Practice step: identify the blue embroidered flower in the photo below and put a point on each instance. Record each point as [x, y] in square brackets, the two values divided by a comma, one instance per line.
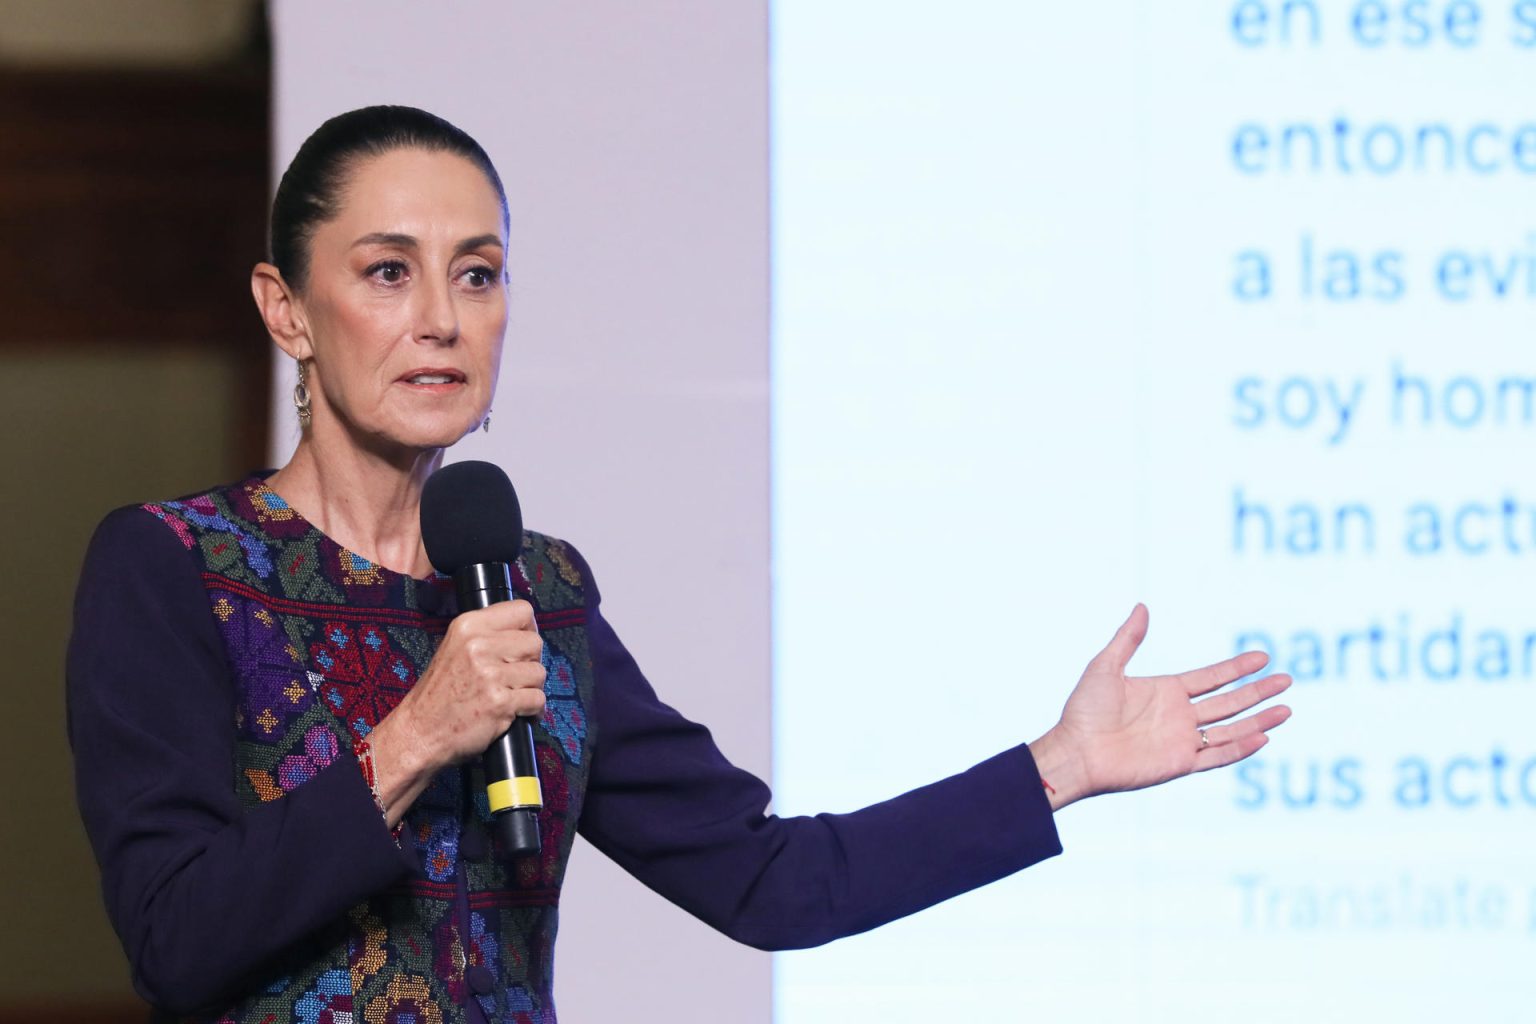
[564, 717]
[329, 1002]
[559, 677]
[201, 512]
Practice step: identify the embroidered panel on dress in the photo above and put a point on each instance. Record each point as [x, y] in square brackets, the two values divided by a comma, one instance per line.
[324, 644]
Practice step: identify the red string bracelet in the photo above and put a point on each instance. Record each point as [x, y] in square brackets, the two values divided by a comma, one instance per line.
[364, 754]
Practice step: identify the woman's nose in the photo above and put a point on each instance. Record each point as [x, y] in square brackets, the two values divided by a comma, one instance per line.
[437, 318]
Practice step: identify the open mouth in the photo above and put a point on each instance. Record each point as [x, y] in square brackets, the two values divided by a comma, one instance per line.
[431, 378]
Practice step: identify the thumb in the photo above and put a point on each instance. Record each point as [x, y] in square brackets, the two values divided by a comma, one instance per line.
[1126, 640]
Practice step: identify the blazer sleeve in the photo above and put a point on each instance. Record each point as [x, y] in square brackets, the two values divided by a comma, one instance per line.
[202, 890]
[667, 806]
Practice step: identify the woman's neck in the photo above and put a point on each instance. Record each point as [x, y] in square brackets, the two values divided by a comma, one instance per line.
[368, 503]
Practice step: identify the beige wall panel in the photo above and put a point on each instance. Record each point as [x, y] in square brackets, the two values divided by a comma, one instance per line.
[632, 412]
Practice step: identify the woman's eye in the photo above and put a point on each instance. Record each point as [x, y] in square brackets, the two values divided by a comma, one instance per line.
[480, 277]
[389, 272]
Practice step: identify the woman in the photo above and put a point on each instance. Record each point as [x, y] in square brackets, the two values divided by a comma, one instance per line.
[275, 713]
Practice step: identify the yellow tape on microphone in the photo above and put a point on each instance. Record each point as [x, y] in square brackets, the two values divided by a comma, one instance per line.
[510, 794]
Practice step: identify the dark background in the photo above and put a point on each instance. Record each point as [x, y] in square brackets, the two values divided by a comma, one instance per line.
[134, 161]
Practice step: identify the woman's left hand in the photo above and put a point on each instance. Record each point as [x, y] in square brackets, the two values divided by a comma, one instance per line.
[1120, 732]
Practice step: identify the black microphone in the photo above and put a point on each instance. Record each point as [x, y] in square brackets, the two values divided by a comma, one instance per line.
[473, 530]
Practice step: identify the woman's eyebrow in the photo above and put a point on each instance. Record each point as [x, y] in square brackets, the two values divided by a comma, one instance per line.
[410, 242]
[470, 244]
[387, 238]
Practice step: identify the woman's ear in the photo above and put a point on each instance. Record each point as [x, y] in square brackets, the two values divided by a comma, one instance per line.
[280, 311]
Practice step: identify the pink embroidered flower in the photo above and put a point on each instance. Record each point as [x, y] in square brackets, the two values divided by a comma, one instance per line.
[320, 749]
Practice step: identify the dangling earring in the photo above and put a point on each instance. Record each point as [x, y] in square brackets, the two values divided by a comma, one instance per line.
[301, 397]
[485, 424]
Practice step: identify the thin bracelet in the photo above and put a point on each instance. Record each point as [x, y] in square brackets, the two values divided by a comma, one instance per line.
[364, 754]
[1048, 788]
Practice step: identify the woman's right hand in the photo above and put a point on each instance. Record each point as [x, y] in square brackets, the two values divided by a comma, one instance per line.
[487, 671]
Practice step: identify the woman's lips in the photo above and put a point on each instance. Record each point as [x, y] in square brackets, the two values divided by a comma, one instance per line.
[431, 380]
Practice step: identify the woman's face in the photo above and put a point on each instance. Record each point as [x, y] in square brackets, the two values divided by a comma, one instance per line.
[406, 302]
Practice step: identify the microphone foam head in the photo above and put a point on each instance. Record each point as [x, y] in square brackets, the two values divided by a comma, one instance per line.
[470, 516]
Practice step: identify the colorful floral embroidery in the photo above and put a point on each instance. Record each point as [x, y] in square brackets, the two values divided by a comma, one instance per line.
[407, 1000]
[564, 716]
[329, 1002]
[322, 645]
[320, 749]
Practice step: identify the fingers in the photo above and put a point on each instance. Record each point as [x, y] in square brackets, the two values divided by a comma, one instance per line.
[494, 648]
[515, 688]
[528, 701]
[506, 630]
[1213, 677]
[504, 615]
[500, 644]
[488, 670]
[1231, 743]
[1224, 705]
[1262, 722]
[1126, 640]
[1231, 753]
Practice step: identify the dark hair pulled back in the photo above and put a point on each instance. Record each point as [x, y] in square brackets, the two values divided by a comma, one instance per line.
[310, 191]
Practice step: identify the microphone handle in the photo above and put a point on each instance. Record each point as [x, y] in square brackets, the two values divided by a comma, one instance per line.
[512, 787]
[511, 773]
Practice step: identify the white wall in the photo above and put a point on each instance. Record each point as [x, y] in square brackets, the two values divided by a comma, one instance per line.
[632, 412]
